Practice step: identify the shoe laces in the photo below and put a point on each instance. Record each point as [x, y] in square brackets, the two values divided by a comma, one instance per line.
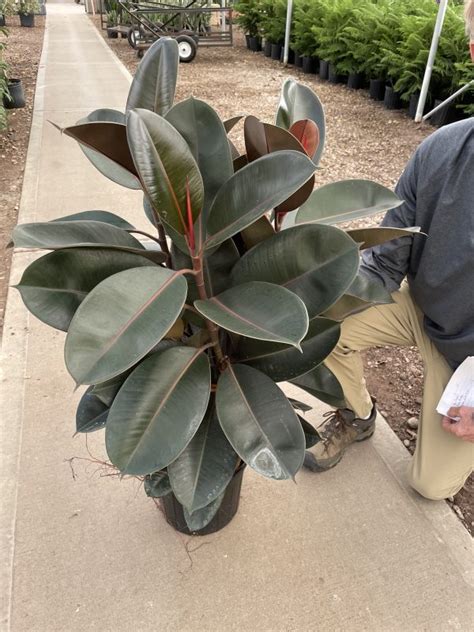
[333, 426]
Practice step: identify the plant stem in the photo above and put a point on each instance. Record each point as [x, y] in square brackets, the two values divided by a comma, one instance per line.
[163, 242]
[212, 328]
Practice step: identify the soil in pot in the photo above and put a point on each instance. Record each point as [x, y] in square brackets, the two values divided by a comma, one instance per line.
[174, 513]
[377, 89]
[255, 44]
[323, 69]
[17, 96]
[355, 81]
[392, 100]
[276, 52]
[267, 49]
[27, 19]
[310, 65]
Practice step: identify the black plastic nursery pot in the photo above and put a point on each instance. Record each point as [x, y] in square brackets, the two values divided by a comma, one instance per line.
[310, 65]
[27, 19]
[174, 513]
[298, 60]
[333, 76]
[255, 44]
[112, 33]
[392, 100]
[247, 41]
[276, 52]
[2, 20]
[448, 114]
[17, 96]
[291, 55]
[267, 49]
[323, 69]
[413, 105]
[355, 81]
[377, 89]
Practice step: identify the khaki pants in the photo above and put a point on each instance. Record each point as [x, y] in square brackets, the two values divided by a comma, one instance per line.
[442, 462]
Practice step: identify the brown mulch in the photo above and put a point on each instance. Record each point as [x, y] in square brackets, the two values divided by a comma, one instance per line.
[23, 53]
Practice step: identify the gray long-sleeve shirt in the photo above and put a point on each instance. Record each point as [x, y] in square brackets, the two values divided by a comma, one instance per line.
[437, 187]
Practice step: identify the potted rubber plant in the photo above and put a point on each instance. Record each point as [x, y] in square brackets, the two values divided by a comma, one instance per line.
[182, 340]
[26, 11]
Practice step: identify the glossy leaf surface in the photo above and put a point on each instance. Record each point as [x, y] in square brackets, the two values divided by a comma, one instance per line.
[91, 414]
[307, 133]
[310, 433]
[97, 216]
[258, 231]
[229, 124]
[206, 466]
[53, 286]
[105, 144]
[254, 190]
[260, 422]
[157, 484]
[281, 362]
[346, 200]
[204, 132]
[121, 320]
[258, 310]
[370, 237]
[56, 235]
[107, 166]
[363, 292]
[202, 517]
[158, 410]
[297, 103]
[322, 384]
[154, 84]
[166, 165]
[316, 262]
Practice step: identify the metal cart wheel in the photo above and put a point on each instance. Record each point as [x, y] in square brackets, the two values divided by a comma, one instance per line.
[187, 48]
[134, 36]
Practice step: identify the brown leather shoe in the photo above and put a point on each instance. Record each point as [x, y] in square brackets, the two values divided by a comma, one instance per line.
[340, 428]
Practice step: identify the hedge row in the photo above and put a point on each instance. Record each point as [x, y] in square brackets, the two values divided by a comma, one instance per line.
[382, 39]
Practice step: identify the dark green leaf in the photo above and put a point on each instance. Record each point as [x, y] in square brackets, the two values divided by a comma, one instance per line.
[202, 517]
[362, 293]
[229, 124]
[346, 200]
[297, 405]
[258, 310]
[202, 472]
[121, 320]
[58, 234]
[310, 433]
[281, 362]
[316, 262]
[91, 413]
[108, 167]
[322, 384]
[258, 231]
[370, 237]
[53, 286]
[298, 102]
[158, 410]
[97, 216]
[157, 484]
[254, 190]
[154, 83]
[166, 166]
[260, 422]
[202, 129]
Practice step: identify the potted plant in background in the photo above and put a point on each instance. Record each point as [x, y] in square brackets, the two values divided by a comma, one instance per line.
[26, 11]
[307, 13]
[3, 86]
[329, 36]
[181, 341]
[6, 10]
[112, 22]
[248, 16]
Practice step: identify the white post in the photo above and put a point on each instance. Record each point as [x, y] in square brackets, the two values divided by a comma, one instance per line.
[289, 12]
[443, 5]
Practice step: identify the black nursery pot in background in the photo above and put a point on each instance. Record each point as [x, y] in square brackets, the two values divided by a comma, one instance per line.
[27, 19]
[377, 89]
[276, 52]
[247, 41]
[111, 33]
[413, 105]
[298, 60]
[174, 514]
[392, 100]
[17, 96]
[267, 49]
[333, 76]
[323, 69]
[2, 20]
[255, 44]
[310, 65]
[355, 81]
[291, 55]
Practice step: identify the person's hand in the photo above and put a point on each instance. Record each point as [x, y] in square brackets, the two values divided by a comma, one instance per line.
[464, 426]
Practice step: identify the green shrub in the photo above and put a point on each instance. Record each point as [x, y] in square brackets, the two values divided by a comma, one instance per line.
[273, 20]
[249, 14]
[307, 13]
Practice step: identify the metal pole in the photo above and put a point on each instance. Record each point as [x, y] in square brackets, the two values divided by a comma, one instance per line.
[289, 12]
[443, 5]
[449, 99]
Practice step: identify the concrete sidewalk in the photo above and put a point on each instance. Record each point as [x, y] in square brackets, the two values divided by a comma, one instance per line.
[349, 550]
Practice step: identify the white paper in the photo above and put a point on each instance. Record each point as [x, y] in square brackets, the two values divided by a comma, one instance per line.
[460, 388]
